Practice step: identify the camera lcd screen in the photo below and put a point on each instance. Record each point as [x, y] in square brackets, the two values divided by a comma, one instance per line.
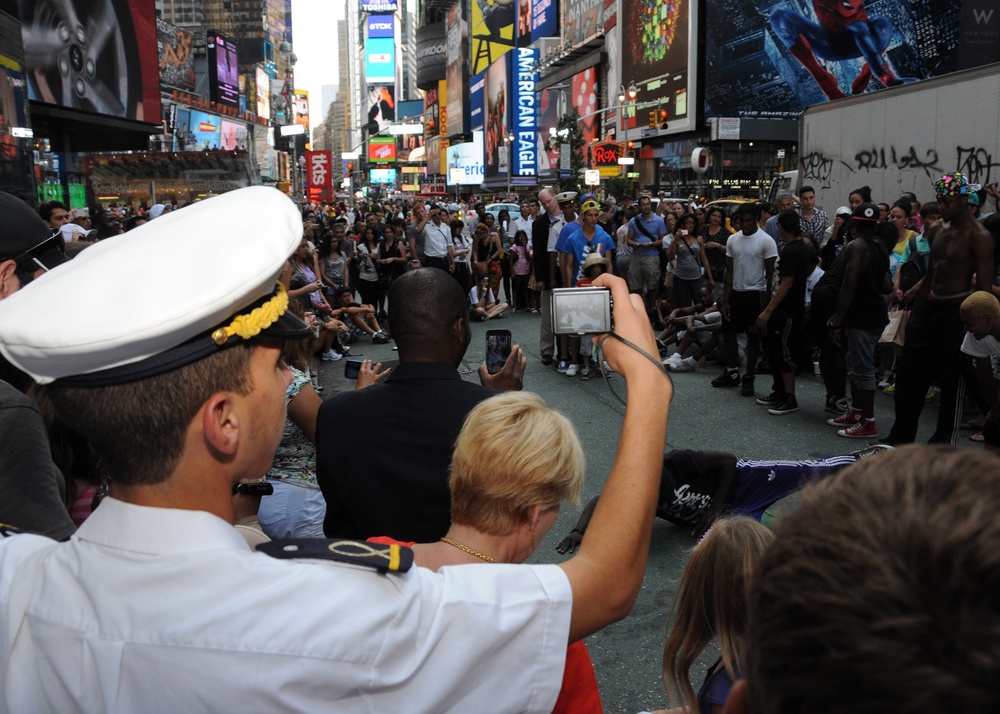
[581, 311]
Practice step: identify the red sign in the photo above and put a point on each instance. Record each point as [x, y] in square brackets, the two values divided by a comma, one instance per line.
[382, 149]
[318, 165]
[606, 153]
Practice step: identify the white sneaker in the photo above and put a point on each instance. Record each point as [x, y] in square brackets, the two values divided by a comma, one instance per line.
[673, 359]
[688, 364]
[331, 356]
[607, 367]
[572, 370]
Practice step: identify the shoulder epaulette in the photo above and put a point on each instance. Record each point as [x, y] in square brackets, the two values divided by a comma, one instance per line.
[6, 531]
[383, 558]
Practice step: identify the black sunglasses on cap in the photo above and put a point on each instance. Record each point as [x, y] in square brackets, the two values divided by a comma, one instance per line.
[52, 249]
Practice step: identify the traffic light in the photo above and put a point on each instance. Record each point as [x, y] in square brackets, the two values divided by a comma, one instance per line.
[653, 120]
[630, 145]
[663, 119]
[350, 169]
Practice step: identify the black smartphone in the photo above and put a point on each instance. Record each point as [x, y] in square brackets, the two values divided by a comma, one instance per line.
[582, 311]
[352, 368]
[498, 345]
[254, 488]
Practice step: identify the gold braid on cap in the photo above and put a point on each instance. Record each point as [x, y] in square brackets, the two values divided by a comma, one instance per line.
[260, 318]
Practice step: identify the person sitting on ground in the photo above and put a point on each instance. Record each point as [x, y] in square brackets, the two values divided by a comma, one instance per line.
[402, 492]
[360, 319]
[503, 504]
[483, 304]
[699, 486]
[879, 592]
[711, 606]
[689, 325]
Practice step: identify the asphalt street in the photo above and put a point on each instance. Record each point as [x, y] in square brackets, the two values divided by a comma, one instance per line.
[628, 655]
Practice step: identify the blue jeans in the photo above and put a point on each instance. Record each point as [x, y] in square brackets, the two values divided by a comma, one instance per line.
[861, 344]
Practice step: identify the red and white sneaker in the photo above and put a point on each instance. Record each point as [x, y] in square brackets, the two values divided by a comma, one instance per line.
[864, 429]
[849, 418]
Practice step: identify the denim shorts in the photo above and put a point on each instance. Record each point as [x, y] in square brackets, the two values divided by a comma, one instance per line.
[861, 344]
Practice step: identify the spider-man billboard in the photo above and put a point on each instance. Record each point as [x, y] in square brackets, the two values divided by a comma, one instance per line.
[772, 59]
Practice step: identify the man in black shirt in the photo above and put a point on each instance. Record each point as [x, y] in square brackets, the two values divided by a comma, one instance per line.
[787, 306]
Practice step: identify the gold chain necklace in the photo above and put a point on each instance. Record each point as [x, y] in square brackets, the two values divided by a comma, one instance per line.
[467, 549]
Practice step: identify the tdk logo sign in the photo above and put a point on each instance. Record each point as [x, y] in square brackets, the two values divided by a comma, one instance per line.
[381, 26]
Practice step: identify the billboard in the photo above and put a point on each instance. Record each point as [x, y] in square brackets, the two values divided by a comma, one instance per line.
[204, 131]
[407, 144]
[456, 69]
[476, 87]
[223, 69]
[302, 109]
[778, 57]
[431, 112]
[496, 115]
[536, 19]
[524, 149]
[492, 26]
[123, 80]
[263, 88]
[382, 150]
[584, 19]
[660, 57]
[173, 47]
[431, 53]
[380, 26]
[379, 6]
[233, 136]
[467, 157]
[582, 94]
[383, 176]
[381, 108]
[380, 60]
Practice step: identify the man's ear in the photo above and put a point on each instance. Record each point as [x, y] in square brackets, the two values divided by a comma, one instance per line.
[9, 283]
[220, 425]
[738, 701]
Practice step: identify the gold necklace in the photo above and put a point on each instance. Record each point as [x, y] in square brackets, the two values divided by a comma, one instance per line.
[467, 549]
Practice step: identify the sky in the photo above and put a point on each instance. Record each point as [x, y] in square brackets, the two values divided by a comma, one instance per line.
[314, 41]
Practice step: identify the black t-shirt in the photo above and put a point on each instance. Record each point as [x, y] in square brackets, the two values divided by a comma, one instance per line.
[795, 261]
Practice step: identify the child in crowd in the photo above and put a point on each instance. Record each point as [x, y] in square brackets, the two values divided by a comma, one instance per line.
[711, 605]
[594, 265]
[521, 265]
[483, 304]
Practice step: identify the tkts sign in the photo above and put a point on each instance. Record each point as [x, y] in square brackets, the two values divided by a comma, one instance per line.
[318, 172]
[604, 157]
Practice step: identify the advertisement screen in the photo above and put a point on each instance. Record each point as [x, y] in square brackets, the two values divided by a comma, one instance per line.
[382, 150]
[476, 87]
[233, 135]
[407, 144]
[891, 42]
[658, 57]
[584, 19]
[125, 81]
[432, 113]
[469, 158]
[383, 176]
[204, 130]
[492, 28]
[380, 60]
[263, 86]
[380, 26]
[381, 108]
[536, 19]
[524, 149]
[496, 115]
[223, 70]
[302, 109]
[173, 47]
[456, 69]
[582, 94]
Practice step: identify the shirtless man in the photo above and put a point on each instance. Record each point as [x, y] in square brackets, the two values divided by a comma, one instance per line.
[960, 249]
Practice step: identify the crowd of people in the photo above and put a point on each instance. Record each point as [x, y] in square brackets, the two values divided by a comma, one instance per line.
[182, 499]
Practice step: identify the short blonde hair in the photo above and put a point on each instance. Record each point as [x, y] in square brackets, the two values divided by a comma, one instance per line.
[514, 452]
[981, 304]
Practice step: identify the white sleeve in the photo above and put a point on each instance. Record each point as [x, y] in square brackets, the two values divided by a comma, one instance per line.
[973, 347]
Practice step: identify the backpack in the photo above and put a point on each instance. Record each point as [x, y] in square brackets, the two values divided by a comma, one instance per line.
[913, 269]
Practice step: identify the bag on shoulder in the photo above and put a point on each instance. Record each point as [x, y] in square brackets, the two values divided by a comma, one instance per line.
[913, 269]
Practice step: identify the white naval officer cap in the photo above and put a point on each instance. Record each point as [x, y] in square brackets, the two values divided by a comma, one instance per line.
[566, 197]
[164, 295]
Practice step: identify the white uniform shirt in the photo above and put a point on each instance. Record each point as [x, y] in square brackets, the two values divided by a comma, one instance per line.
[438, 238]
[749, 254]
[161, 610]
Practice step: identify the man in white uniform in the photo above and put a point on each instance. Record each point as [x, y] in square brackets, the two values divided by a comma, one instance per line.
[157, 603]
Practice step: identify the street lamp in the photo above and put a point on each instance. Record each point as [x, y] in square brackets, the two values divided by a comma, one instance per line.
[509, 139]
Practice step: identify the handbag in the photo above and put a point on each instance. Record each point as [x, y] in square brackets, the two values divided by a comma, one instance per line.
[895, 332]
